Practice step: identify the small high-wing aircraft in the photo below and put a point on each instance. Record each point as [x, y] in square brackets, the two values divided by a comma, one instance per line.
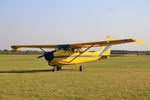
[66, 54]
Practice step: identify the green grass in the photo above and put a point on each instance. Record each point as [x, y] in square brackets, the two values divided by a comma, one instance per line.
[116, 78]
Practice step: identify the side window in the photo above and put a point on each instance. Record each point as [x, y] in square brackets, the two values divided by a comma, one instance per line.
[70, 49]
[76, 50]
[80, 50]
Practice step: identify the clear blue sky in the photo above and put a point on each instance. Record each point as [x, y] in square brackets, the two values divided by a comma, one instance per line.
[74, 21]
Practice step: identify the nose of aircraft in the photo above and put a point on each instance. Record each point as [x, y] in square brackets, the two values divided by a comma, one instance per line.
[49, 56]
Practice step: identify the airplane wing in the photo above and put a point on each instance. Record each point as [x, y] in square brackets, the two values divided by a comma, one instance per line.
[80, 45]
[17, 47]
[105, 43]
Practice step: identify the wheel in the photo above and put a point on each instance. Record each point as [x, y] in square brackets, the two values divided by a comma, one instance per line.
[81, 68]
[59, 67]
[55, 69]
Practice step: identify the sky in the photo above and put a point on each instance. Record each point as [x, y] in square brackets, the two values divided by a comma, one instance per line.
[28, 22]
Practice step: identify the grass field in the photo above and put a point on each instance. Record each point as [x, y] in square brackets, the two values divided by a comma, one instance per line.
[116, 78]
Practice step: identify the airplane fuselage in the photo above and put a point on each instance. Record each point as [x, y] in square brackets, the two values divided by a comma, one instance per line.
[62, 57]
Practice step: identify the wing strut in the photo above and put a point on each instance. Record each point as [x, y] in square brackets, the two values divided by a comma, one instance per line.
[81, 53]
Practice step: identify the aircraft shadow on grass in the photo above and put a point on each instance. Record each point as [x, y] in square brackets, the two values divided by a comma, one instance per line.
[33, 71]
[26, 71]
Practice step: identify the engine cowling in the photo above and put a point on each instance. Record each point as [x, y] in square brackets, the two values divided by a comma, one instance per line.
[49, 56]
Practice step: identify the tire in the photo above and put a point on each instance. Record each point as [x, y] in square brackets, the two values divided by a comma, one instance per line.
[59, 68]
[81, 68]
[54, 69]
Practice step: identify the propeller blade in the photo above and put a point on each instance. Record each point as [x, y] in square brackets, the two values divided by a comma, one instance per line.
[40, 56]
[53, 51]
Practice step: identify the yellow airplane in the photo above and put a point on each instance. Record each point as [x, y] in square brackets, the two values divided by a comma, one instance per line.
[66, 54]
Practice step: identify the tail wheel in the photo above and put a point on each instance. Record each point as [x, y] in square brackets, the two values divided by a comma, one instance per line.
[81, 68]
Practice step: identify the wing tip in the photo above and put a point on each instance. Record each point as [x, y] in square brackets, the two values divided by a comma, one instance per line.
[138, 41]
[15, 48]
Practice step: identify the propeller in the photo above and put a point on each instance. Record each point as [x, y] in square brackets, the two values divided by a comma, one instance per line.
[45, 53]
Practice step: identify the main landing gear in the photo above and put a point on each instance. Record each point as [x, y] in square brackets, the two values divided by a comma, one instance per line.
[57, 68]
[81, 68]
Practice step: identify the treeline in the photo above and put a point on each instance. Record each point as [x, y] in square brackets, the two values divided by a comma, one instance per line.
[130, 52]
[29, 52]
[13, 52]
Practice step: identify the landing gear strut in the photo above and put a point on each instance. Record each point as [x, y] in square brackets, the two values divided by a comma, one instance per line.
[81, 68]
